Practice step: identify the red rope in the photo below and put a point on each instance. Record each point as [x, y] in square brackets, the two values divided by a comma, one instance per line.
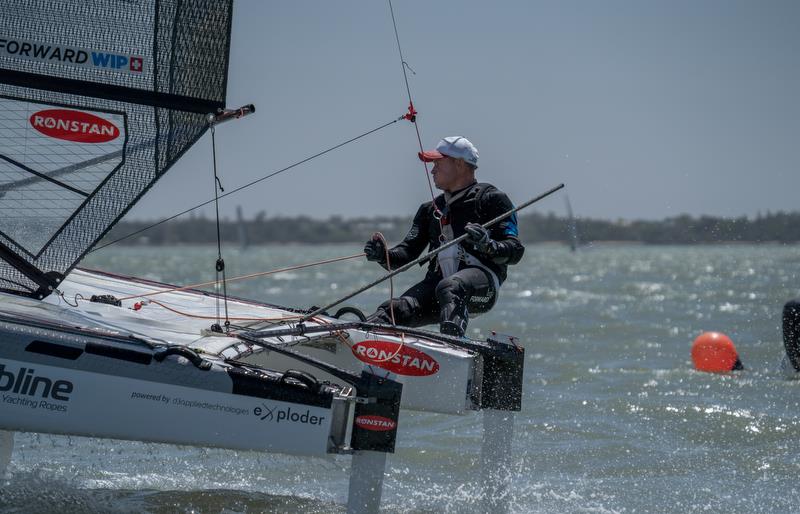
[391, 298]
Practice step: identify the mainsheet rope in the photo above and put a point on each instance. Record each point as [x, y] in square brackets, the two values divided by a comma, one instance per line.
[243, 277]
[391, 303]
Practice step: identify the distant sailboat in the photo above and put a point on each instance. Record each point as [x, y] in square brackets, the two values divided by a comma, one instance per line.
[241, 229]
[574, 242]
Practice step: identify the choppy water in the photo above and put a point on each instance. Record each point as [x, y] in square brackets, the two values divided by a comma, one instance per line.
[614, 417]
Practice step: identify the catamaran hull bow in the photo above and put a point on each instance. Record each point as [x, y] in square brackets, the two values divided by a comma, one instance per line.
[76, 384]
[438, 374]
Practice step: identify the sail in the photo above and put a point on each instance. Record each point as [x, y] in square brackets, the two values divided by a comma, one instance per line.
[98, 99]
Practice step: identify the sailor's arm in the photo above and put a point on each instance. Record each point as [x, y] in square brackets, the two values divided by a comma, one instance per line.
[508, 251]
[410, 248]
[501, 242]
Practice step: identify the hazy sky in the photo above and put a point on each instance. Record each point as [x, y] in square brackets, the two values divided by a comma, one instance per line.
[645, 109]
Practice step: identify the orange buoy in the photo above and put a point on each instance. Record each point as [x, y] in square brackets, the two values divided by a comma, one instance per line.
[714, 352]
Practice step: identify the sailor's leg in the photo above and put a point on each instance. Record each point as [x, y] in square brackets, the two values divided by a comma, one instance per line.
[467, 290]
[405, 309]
[453, 314]
[791, 332]
[6, 448]
[498, 431]
[416, 307]
[366, 481]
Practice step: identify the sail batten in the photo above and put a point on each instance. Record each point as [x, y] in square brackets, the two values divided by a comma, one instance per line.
[110, 92]
[98, 100]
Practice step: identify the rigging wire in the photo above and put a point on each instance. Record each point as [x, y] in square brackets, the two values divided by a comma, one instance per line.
[412, 114]
[412, 117]
[319, 154]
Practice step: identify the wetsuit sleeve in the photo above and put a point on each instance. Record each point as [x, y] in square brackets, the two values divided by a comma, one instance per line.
[506, 232]
[414, 242]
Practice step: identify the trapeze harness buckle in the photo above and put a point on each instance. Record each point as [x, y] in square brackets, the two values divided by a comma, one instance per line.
[450, 259]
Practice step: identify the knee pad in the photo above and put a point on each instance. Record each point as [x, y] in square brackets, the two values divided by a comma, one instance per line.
[449, 287]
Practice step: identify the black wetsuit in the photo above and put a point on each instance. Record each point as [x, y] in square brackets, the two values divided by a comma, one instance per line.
[472, 287]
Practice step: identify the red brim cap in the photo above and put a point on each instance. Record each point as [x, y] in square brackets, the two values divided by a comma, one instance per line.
[430, 156]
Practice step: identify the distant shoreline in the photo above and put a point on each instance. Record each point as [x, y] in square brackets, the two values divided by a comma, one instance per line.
[772, 228]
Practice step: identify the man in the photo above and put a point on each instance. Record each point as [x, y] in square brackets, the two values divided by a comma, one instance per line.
[464, 278]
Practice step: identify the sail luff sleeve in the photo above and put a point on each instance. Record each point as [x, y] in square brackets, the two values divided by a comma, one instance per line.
[98, 100]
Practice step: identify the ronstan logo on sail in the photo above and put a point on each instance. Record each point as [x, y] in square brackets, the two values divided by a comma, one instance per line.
[76, 126]
[375, 423]
[397, 358]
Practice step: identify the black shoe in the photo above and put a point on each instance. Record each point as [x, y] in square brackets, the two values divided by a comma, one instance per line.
[454, 319]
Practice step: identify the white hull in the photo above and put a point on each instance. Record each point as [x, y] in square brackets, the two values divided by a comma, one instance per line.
[106, 371]
[436, 376]
[102, 405]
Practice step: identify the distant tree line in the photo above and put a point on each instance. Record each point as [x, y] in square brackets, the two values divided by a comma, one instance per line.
[534, 227]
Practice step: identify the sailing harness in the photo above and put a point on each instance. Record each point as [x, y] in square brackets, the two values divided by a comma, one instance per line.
[450, 259]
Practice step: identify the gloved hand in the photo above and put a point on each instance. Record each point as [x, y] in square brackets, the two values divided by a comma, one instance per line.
[375, 250]
[479, 238]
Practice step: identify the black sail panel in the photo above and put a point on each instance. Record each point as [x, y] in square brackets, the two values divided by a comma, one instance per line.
[97, 100]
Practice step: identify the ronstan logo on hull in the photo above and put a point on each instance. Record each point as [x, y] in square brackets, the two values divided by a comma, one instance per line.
[396, 357]
[375, 423]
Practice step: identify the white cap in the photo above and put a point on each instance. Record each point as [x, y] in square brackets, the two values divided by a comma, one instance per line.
[457, 147]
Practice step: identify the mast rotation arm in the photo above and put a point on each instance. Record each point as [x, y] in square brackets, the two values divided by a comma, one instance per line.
[223, 115]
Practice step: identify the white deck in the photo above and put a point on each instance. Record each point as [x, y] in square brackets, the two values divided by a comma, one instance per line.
[436, 377]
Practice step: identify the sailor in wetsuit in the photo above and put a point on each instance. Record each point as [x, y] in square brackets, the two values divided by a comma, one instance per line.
[464, 278]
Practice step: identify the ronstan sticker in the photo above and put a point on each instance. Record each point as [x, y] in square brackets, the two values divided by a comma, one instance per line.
[76, 126]
[396, 357]
[375, 423]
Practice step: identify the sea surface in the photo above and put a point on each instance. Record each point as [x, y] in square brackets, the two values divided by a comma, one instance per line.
[614, 417]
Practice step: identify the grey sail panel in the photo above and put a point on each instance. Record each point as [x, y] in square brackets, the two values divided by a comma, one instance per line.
[97, 100]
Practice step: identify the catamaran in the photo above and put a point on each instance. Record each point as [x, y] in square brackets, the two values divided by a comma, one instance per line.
[97, 101]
